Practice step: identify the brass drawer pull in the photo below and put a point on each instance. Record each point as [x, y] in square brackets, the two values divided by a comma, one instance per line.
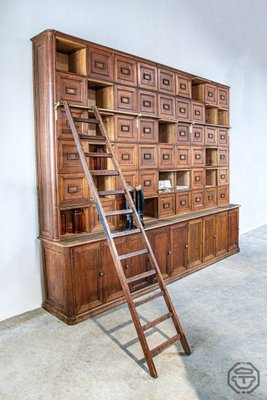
[166, 107]
[166, 205]
[197, 156]
[210, 197]
[125, 128]
[222, 137]
[125, 157]
[125, 100]
[101, 274]
[146, 103]
[182, 133]
[72, 156]
[147, 77]
[126, 266]
[146, 130]
[210, 94]
[73, 189]
[210, 135]
[197, 112]
[222, 97]
[166, 82]
[182, 202]
[70, 90]
[147, 182]
[197, 178]
[147, 156]
[182, 86]
[222, 195]
[222, 176]
[222, 156]
[166, 156]
[182, 157]
[197, 135]
[198, 199]
[100, 64]
[125, 71]
[182, 110]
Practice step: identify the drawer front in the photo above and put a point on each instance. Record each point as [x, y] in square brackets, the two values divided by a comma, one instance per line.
[166, 81]
[211, 94]
[68, 157]
[198, 200]
[223, 176]
[63, 126]
[125, 129]
[131, 178]
[183, 159]
[148, 103]
[223, 97]
[71, 88]
[73, 190]
[149, 182]
[198, 178]
[223, 195]
[223, 157]
[198, 135]
[166, 205]
[166, 106]
[100, 64]
[147, 76]
[147, 157]
[183, 110]
[183, 202]
[183, 86]
[148, 130]
[126, 155]
[182, 134]
[222, 137]
[125, 71]
[210, 136]
[126, 98]
[211, 198]
[198, 157]
[198, 112]
[166, 157]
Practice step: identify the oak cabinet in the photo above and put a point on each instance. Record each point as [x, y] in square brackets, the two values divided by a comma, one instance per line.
[195, 250]
[179, 248]
[160, 243]
[209, 236]
[221, 233]
[233, 230]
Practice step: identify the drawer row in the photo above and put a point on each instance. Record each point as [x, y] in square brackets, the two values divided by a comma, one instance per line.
[77, 90]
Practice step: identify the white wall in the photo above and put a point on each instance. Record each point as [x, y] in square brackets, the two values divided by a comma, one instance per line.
[222, 40]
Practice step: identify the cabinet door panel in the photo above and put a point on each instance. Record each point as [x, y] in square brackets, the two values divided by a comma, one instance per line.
[221, 233]
[194, 243]
[233, 230]
[209, 232]
[112, 286]
[179, 244]
[136, 265]
[160, 242]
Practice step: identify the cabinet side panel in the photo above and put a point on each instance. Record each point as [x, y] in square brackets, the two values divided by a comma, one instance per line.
[44, 99]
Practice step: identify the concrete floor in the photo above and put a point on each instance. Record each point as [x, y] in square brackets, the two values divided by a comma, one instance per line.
[222, 309]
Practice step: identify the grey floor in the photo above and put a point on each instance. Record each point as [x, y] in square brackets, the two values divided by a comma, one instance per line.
[222, 309]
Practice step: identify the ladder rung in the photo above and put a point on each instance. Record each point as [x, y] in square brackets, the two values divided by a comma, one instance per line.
[125, 233]
[164, 345]
[119, 212]
[141, 276]
[104, 172]
[87, 120]
[105, 155]
[146, 299]
[96, 138]
[156, 321]
[110, 192]
[134, 254]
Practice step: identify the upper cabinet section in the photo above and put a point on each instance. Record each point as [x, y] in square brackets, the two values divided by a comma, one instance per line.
[70, 57]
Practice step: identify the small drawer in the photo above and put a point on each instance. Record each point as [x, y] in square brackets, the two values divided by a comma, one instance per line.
[148, 157]
[73, 190]
[183, 202]
[147, 76]
[68, 157]
[166, 106]
[183, 109]
[223, 156]
[125, 98]
[182, 134]
[71, 88]
[183, 86]
[149, 182]
[166, 157]
[125, 129]
[198, 135]
[198, 200]
[131, 178]
[148, 130]
[222, 137]
[182, 157]
[126, 155]
[148, 102]
[100, 64]
[210, 136]
[223, 195]
[223, 97]
[198, 157]
[211, 94]
[166, 205]
[223, 176]
[166, 81]
[198, 178]
[125, 71]
[63, 126]
[210, 198]
[198, 112]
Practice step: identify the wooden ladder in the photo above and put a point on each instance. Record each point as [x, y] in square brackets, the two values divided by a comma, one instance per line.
[154, 271]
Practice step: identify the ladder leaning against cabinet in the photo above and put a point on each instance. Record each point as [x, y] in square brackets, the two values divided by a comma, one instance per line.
[103, 139]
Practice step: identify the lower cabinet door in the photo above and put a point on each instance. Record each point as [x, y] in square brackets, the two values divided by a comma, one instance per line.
[88, 277]
[179, 246]
[233, 229]
[221, 233]
[194, 242]
[136, 265]
[209, 236]
[112, 287]
[160, 242]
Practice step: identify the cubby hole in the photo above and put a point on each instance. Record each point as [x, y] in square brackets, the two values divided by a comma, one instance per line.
[74, 221]
[167, 132]
[183, 180]
[166, 181]
[211, 157]
[70, 57]
[211, 115]
[104, 183]
[211, 177]
[151, 209]
[100, 94]
[223, 117]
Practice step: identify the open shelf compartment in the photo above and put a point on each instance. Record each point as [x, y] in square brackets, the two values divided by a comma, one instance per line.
[70, 57]
[183, 180]
[166, 181]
